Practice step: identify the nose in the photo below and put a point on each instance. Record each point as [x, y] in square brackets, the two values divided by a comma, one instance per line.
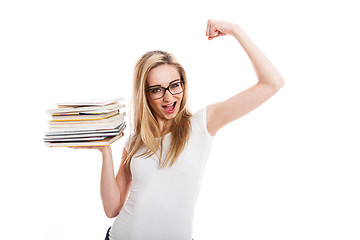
[167, 96]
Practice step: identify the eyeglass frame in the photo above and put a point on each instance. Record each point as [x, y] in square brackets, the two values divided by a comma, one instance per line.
[167, 89]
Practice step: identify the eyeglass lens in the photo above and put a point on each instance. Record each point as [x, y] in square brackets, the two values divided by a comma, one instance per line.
[159, 92]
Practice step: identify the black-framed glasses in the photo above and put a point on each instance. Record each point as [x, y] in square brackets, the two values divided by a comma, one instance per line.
[157, 92]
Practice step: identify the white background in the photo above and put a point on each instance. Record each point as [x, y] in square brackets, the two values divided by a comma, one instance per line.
[288, 170]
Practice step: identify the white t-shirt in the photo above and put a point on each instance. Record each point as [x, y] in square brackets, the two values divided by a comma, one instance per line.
[161, 201]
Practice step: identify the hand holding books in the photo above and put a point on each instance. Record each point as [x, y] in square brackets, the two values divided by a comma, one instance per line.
[102, 149]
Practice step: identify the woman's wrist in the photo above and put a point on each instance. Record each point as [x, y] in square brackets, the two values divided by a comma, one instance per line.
[234, 28]
[106, 150]
[236, 31]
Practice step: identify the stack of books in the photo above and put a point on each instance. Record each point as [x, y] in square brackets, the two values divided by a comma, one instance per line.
[90, 123]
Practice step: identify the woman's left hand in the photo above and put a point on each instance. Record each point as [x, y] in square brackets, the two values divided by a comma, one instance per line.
[217, 28]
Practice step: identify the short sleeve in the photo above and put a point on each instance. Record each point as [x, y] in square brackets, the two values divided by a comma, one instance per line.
[199, 122]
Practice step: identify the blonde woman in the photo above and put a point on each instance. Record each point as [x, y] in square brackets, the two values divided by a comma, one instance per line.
[156, 187]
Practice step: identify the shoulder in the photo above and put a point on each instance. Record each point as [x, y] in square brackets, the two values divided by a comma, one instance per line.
[199, 123]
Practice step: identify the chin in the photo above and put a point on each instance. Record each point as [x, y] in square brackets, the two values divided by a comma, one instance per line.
[170, 116]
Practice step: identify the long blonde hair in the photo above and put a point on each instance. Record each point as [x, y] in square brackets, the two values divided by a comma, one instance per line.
[146, 128]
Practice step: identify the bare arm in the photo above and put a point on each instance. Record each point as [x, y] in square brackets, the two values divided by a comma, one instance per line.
[123, 181]
[114, 191]
[269, 80]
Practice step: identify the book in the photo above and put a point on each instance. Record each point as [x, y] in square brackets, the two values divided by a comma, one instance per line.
[81, 134]
[74, 139]
[90, 103]
[84, 116]
[88, 109]
[79, 131]
[118, 118]
[105, 142]
[85, 127]
[85, 123]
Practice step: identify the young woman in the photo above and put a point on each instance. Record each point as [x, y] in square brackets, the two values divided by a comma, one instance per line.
[155, 190]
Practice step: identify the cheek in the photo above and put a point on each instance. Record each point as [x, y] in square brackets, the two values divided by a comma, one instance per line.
[153, 104]
[179, 97]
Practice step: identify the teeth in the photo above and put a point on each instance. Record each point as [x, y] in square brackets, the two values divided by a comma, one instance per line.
[169, 105]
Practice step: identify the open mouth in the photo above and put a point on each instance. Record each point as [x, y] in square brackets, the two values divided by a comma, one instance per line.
[170, 107]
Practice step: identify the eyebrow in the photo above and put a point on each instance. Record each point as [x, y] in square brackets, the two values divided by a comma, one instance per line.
[169, 83]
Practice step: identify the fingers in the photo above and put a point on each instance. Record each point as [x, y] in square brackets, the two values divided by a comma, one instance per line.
[100, 148]
[211, 30]
[83, 147]
[207, 28]
[217, 28]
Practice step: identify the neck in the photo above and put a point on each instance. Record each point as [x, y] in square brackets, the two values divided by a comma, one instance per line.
[164, 126]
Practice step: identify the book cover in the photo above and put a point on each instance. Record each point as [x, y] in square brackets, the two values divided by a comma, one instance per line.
[95, 102]
[110, 119]
[78, 134]
[118, 128]
[106, 142]
[84, 116]
[88, 109]
[74, 139]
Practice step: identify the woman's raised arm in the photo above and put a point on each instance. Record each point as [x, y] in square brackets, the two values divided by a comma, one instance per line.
[269, 79]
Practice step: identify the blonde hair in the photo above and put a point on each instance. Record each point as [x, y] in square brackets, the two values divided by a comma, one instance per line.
[146, 128]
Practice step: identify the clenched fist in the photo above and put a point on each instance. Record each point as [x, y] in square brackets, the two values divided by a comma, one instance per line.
[217, 28]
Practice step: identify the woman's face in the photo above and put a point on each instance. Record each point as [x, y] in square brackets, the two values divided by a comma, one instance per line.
[167, 107]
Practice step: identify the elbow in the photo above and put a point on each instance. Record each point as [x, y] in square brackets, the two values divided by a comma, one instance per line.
[112, 213]
[277, 84]
[280, 83]
[274, 83]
